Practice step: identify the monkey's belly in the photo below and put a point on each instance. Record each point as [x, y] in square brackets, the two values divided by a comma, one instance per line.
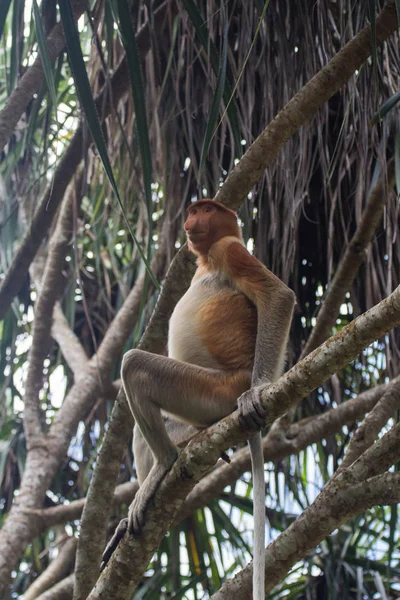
[216, 330]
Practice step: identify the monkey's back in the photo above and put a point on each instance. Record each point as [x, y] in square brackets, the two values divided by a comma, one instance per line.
[214, 325]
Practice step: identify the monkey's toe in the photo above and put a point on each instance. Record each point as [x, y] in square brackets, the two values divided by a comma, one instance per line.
[136, 520]
[252, 414]
[138, 508]
[113, 543]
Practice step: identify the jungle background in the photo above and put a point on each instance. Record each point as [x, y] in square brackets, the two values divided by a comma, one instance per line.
[106, 136]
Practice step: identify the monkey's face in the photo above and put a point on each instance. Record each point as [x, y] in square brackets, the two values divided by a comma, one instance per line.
[207, 222]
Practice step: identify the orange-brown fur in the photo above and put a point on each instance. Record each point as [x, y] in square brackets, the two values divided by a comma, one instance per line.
[229, 316]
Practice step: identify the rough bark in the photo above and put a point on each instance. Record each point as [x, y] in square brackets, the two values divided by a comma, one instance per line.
[62, 590]
[70, 346]
[369, 429]
[49, 290]
[101, 490]
[299, 436]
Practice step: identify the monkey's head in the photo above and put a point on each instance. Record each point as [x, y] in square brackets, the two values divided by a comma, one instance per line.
[208, 221]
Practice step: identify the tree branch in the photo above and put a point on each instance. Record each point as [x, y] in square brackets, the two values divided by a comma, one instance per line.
[70, 346]
[63, 590]
[367, 432]
[57, 570]
[49, 290]
[132, 555]
[105, 102]
[96, 511]
[351, 260]
[32, 79]
[298, 437]
[44, 460]
[328, 512]
[303, 106]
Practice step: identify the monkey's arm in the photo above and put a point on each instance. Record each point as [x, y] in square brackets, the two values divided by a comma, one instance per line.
[274, 302]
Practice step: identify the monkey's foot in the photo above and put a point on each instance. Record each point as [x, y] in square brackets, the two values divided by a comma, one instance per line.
[137, 510]
[113, 543]
[252, 414]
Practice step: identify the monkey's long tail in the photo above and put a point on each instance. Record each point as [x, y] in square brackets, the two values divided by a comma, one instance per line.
[257, 460]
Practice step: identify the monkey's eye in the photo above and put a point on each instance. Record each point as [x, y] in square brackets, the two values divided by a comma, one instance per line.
[207, 209]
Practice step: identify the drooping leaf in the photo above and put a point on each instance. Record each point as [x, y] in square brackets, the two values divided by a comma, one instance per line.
[204, 38]
[44, 54]
[132, 56]
[89, 107]
[386, 108]
[212, 122]
[4, 8]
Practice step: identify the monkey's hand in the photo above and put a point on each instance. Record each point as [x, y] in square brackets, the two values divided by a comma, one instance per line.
[113, 543]
[137, 510]
[252, 414]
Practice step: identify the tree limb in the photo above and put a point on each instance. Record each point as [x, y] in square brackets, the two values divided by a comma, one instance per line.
[367, 432]
[57, 570]
[49, 290]
[70, 346]
[32, 79]
[299, 436]
[328, 512]
[63, 590]
[303, 106]
[133, 553]
[43, 461]
[351, 260]
[96, 511]
[68, 164]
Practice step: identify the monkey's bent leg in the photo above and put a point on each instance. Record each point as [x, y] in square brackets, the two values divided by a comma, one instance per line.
[194, 394]
[179, 433]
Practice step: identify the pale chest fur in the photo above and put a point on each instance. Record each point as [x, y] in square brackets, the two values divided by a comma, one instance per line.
[213, 325]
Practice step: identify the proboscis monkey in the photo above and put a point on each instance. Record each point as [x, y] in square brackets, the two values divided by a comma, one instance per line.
[227, 339]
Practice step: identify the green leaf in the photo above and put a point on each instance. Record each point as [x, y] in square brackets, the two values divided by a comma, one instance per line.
[203, 35]
[394, 520]
[397, 160]
[386, 107]
[18, 9]
[44, 54]
[371, 6]
[212, 123]
[89, 107]
[4, 8]
[132, 56]
[175, 30]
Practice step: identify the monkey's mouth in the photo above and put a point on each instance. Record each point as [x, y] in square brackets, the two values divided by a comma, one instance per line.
[195, 233]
